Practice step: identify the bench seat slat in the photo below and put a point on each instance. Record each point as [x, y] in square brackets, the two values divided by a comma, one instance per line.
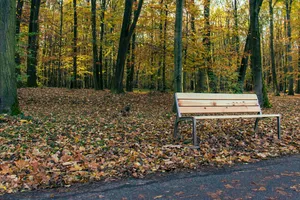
[237, 116]
[216, 103]
[210, 96]
[229, 109]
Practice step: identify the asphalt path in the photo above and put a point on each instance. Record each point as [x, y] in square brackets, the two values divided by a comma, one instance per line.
[277, 178]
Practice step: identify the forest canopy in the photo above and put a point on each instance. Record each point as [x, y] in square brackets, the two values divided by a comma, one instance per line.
[64, 44]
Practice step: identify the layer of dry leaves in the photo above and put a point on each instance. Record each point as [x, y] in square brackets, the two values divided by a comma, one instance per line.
[68, 136]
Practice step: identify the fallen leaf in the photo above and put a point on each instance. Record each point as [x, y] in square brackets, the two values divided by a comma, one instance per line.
[179, 193]
[245, 158]
[228, 186]
[262, 189]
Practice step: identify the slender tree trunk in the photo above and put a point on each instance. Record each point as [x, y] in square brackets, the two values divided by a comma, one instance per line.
[75, 37]
[102, 29]
[298, 81]
[18, 28]
[178, 47]
[126, 33]
[159, 71]
[60, 42]
[207, 45]
[236, 34]
[130, 67]
[33, 43]
[272, 54]
[152, 83]
[95, 52]
[288, 4]
[185, 52]
[200, 74]
[244, 64]
[8, 87]
[164, 87]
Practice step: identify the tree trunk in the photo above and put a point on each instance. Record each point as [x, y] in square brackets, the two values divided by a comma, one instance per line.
[102, 28]
[33, 43]
[185, 53]
[159, 71]
[236, 34]
[272, 54]
[207, 46]
[255, 56]
[60, 42]
[178, 47]
[200, 74]
[288, 4]
[130, 69]
[18, 28]
[74, 79]
[152, 83]
[95, 51]
[164, 87]
[126, 33]
[298, 81]
[244, 64]
[8, 87]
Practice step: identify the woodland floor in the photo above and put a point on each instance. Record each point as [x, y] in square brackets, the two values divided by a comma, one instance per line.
[70, 136]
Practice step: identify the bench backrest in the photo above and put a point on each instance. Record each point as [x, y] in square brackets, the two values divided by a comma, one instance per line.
[216, 103]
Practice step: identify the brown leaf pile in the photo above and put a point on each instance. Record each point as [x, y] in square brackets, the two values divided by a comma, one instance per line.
[69, 136]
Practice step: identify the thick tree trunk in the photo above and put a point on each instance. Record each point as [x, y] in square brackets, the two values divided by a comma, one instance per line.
[8, 87]
[33, 43]
[272, 54]
[74, 79]
[60, 42]
[178, 47]
[126, 33]
[95, 51]
[255, 56]
[288, 4]
[18, 28]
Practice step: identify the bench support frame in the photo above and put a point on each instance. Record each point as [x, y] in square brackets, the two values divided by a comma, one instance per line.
[179, 119]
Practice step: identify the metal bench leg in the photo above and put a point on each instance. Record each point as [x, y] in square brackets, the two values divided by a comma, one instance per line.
[278, 127]
[256, 124]
[176, 128]
[194, 133]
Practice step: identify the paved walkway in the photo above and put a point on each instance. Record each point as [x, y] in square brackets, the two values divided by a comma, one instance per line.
[271, 179]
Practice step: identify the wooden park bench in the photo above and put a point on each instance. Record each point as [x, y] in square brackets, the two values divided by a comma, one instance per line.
[201, 104]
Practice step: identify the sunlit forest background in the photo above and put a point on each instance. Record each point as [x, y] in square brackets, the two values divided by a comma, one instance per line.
[152, 57]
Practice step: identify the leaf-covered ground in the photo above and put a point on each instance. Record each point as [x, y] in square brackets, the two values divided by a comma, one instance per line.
[68, 136]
